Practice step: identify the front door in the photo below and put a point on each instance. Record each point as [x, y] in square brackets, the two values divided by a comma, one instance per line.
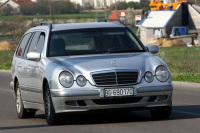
[34, 73]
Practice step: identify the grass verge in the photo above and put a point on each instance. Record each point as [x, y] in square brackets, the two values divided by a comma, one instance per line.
[6, 59]
[84, 16]
[184, 62]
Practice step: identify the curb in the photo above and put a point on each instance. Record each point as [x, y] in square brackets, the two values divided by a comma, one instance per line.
[5, 70]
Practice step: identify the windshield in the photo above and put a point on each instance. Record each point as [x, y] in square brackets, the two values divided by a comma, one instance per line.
[93, 41]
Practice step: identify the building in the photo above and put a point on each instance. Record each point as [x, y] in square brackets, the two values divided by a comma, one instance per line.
[17, 3]
[160, 23]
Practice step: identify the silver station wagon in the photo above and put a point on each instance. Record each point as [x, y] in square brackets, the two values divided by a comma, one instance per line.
[88, 66]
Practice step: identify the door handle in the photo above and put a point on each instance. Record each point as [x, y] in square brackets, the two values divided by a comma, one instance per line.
[19, 65]
[29, 68]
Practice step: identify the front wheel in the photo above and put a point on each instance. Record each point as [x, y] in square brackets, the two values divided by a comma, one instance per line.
[161, 112]
[51, 116]
[21, 111]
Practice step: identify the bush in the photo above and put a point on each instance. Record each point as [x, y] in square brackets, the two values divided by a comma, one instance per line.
[16, 27]
[7, 10]
[28, 10]
[6, 59]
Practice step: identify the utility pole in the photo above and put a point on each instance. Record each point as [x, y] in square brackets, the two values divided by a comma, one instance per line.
[50, 13]
[105, 12]
[82, 5]
[96, 10]
[116, 8]
[105, 5]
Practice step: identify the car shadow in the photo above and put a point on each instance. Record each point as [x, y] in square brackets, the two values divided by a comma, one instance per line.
[104, 117]
[21, 127]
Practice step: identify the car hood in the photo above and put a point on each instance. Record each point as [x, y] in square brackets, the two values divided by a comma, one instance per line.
[85, 65]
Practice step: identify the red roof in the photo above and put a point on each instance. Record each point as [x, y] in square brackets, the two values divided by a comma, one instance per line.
[113, 14]
[23, 2]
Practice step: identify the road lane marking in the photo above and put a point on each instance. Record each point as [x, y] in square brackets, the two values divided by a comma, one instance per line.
[188, 113]
[6, 90]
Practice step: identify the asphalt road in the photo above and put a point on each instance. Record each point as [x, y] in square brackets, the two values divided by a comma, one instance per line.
[185, 116]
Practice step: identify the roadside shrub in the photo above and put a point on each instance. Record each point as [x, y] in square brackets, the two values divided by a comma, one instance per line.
[7, 10]
[6, 59]
[16, 27]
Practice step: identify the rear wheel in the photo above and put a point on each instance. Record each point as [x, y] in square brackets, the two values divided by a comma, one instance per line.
[21, 111]
[51, 117]
[161, 112]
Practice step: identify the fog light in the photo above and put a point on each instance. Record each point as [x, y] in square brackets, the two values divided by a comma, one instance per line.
[161, 98]
[70, 103]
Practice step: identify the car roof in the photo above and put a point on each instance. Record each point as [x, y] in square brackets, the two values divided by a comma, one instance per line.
[57, 27]
[69, 26]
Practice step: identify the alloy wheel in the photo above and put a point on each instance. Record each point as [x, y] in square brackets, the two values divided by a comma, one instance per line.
[48, 104]
[18, 100]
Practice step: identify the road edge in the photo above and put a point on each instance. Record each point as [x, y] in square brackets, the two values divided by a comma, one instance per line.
[186, 83]
[5, 70]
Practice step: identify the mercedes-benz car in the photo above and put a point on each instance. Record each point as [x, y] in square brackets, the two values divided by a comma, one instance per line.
[61, 68]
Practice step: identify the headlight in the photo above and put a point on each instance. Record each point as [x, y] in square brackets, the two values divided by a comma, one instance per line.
[66, 79]
[81, 80]
[148, 77]
[162, 73]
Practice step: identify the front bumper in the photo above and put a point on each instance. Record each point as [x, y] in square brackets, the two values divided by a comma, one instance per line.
[93, 99]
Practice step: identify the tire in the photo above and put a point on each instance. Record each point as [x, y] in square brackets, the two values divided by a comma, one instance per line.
[161, 112]
[51, 117]
[21, 111]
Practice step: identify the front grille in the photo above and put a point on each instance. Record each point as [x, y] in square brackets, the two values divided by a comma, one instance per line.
[117, 100]
[115, 78]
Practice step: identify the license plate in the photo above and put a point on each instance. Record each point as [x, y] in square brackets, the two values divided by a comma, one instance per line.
[118, 92]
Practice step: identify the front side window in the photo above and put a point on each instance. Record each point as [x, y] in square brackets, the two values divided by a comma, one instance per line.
[34, 42]
[40, 44]
[93, 41]
[37, 42]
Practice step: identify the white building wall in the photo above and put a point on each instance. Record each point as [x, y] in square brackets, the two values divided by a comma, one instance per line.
[13, 4]
[80, 2]
[132, 1]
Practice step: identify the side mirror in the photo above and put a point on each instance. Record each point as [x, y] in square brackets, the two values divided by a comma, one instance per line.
[33, 56]
[153, 49]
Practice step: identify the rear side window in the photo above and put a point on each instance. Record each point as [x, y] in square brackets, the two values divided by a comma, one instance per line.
[23, 44]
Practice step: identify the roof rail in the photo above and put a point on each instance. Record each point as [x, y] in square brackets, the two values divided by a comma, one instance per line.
[46, 23]
[106, 20]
